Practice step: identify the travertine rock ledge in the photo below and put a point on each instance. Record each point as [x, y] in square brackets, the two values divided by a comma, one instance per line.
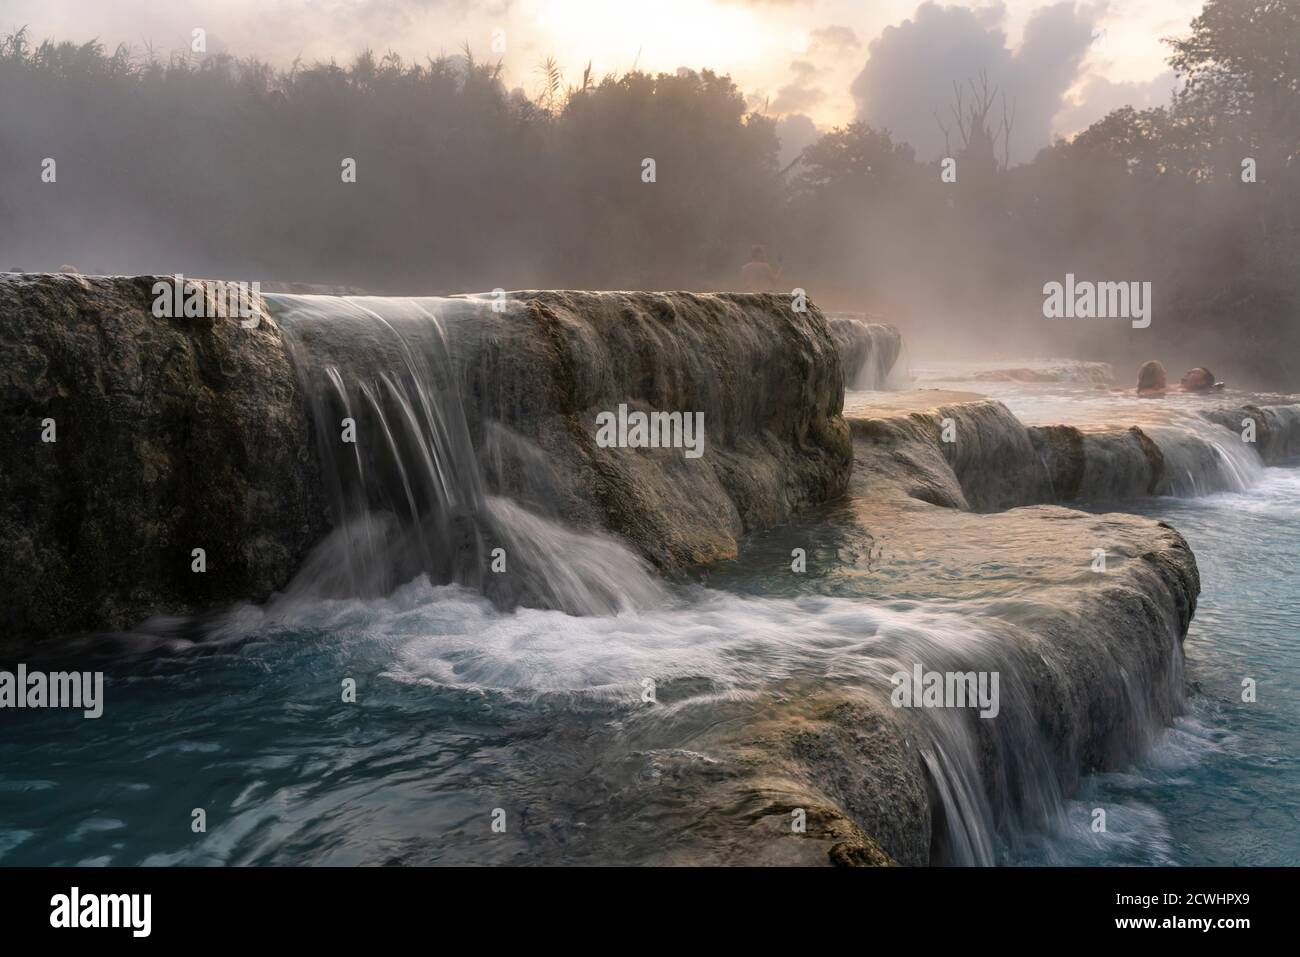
[171, 435]
[177, 434]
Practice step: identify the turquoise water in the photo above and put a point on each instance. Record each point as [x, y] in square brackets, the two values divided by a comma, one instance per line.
[463, 709]
[1223, 787]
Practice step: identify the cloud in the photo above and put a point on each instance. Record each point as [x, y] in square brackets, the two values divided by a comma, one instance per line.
[317, 29]
[793, 98]
[799, 94]
[835, 39]
[803, 70]
[1096, 96]
[911, 68]
[1046, 66]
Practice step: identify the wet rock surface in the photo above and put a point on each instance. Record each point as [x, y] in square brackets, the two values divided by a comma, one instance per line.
[176, 434]
[766, 378]
[171, 435]
[956, 449]
[990, 460]
[1091, 660]
[868, 350]
[1277, 428]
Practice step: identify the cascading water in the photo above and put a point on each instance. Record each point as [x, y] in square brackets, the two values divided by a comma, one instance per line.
[404, 481]
[410, 499]
[1201, 446]
[532, 697]
[1201, 458]
[981, 816]
[869, 352]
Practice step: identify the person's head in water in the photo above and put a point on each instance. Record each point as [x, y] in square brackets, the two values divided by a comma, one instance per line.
[757, 254]
[1199, 379]
[1152, 379]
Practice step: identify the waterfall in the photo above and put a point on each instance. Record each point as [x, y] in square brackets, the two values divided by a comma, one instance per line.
[417, 492]
[406, 489]
[1201, 458]
[868, 352]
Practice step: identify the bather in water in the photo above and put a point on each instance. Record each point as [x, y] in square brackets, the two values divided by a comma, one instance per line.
[1153, 382]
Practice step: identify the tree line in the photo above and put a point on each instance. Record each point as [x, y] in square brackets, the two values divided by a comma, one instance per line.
[235, 169]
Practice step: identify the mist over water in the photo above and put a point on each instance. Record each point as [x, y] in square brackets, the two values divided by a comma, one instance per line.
[469, 693]
[608, 706]
[1200, 457]
[1196, 196]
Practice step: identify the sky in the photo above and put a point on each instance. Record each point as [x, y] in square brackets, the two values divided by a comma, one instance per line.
[812, 64]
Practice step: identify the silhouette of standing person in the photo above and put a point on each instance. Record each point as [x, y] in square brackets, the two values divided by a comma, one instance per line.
[758, 274]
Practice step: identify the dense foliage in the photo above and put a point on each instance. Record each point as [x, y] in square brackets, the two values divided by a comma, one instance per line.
[232, 168]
